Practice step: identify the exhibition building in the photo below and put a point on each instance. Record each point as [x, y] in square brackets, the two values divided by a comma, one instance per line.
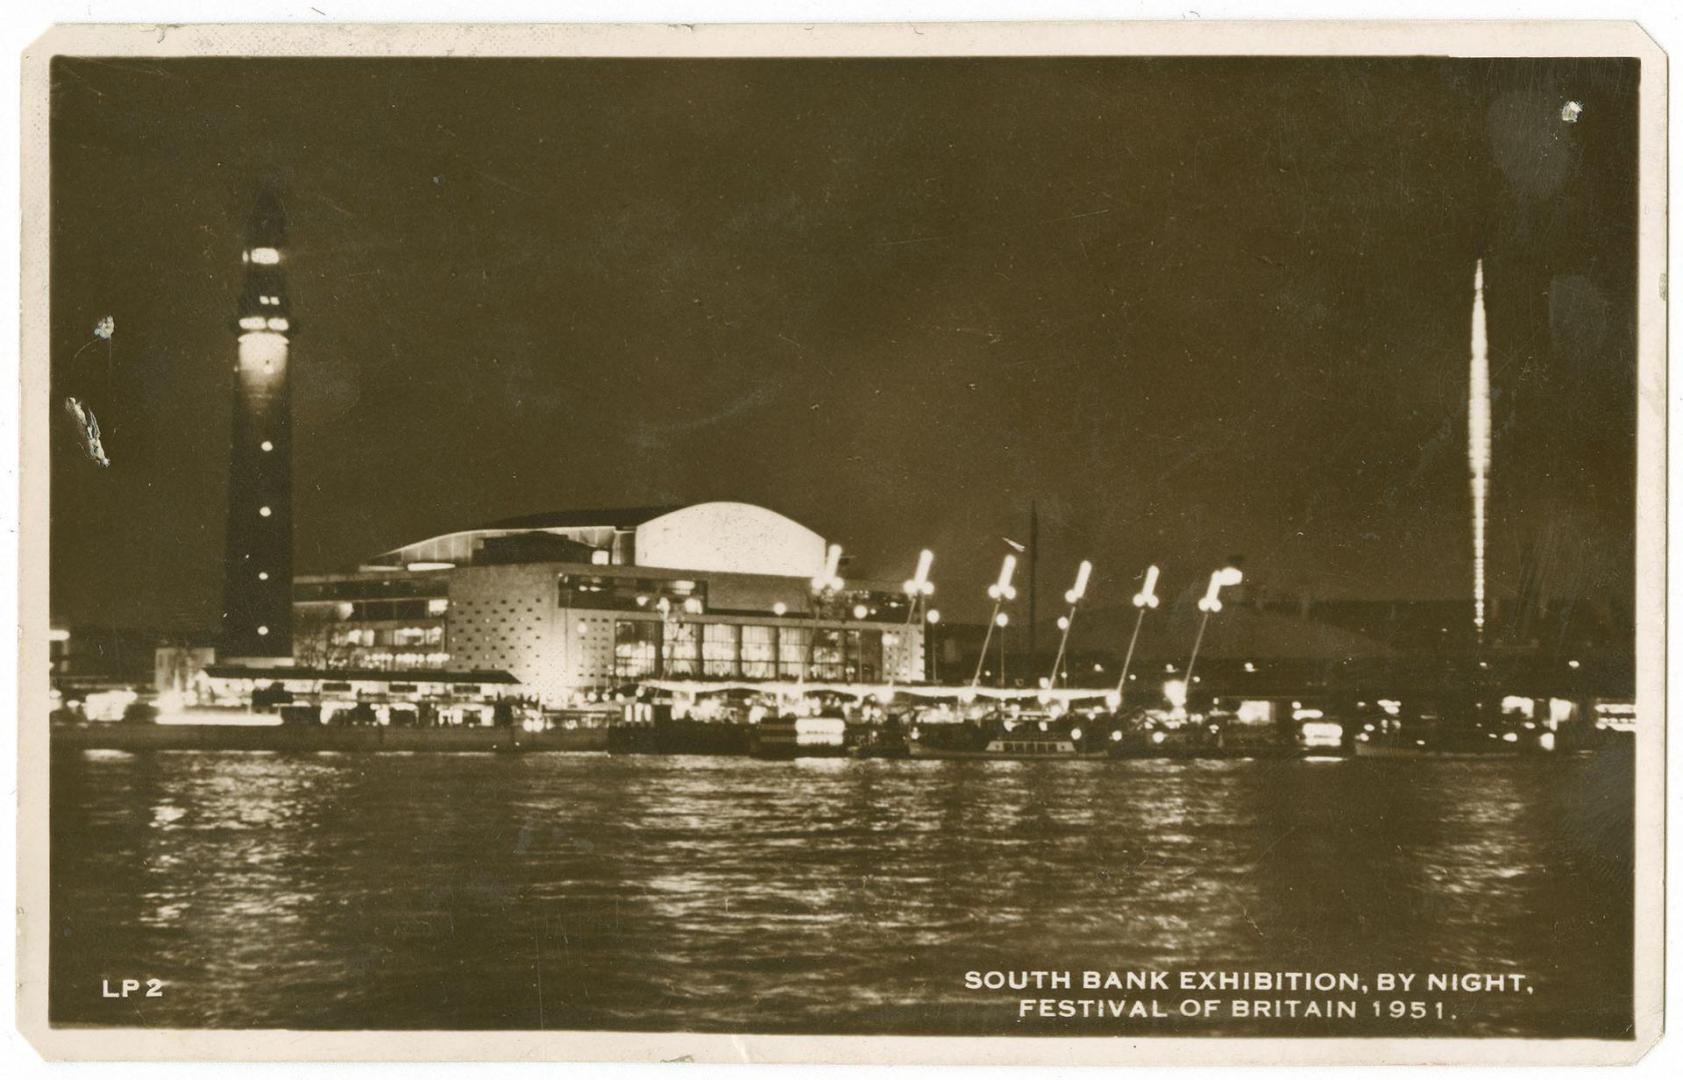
[576, 603]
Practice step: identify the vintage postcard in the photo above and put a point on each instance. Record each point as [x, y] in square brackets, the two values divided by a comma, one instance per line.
[1087, 543]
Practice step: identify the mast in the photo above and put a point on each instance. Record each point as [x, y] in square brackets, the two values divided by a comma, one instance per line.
[1034, 580]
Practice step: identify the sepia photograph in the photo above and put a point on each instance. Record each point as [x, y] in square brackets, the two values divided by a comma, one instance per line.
[1025, 545]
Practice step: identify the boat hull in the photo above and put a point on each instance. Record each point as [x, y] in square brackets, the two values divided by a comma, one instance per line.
[1381, 750]
[315, 738]
[681, 737]
[984, 755]
[1046, 750]
[1160, 753]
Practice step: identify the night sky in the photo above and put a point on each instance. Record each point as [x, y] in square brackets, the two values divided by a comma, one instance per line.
[1191, 307]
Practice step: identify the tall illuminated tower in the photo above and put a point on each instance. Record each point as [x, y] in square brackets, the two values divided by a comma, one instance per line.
[1478, 443]
[257, 573]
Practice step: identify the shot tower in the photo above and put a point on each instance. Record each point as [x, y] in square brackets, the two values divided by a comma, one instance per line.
[257, 573]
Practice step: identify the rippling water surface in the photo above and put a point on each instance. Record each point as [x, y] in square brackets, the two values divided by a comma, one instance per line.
[724, 894]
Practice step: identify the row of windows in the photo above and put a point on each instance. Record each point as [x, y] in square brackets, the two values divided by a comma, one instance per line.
[371, 588]
[630, 594]
[1036, 748]
[389, 610]
[399, 635]
[606, 593]
[647, 649]
[382, 658]
[455, 690]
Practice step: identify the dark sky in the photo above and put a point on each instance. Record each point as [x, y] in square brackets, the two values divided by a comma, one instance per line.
[1192, 307]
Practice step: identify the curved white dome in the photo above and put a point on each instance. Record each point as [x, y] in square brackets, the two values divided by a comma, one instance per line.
[732, 538]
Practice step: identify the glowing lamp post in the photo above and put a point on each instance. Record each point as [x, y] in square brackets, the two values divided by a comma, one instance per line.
[1144, 600]
[918, 584]
[829, 580]
[1073, 598]
[933, 618]
[999, 592]
[1209, 605]
[918, 588]
[825, 585]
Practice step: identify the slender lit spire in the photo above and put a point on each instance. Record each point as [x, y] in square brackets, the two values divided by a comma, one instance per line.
[1478, 443]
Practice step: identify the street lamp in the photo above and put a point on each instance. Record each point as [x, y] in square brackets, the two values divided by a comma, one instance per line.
[918, 584]
[1145, 600]
[999, 592]
[1073, 598]
[829, 580]
[933, 618]
[917, 587]
[824, 585]
[1209, 605]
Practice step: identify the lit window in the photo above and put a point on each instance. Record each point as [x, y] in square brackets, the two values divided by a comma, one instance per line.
[267, 445]
[262, 631]
[279, 324]
[264, 256]
[264, 511]
[437, 607]
[253, 322]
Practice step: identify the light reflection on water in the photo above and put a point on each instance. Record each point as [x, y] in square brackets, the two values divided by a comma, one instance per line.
[481, 891]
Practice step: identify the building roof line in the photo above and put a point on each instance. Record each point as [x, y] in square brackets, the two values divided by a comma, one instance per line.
[555, 519]
[433, 675]
[623, 517]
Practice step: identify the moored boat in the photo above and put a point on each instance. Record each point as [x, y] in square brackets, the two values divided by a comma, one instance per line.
[1430, 734]
[1165, 733]
[666, 735]
[1027, 737]
[788, 737]
[877, 741]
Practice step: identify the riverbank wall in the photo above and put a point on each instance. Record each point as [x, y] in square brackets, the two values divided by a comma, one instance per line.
[314, 738]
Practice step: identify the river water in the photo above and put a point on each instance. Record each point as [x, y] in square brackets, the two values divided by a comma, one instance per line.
[471, 891]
